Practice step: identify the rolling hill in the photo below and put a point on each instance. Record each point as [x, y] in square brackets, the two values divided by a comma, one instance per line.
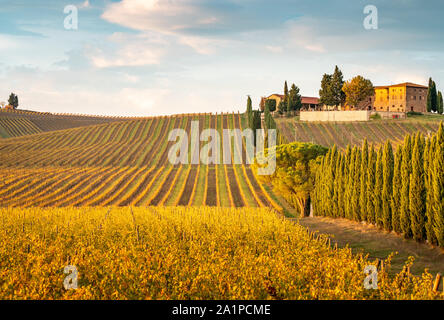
[123, 163]
[16, 123]
[354, 133]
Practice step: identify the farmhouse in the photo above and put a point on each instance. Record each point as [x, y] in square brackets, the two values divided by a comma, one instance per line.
[403, 97]
[307, 102]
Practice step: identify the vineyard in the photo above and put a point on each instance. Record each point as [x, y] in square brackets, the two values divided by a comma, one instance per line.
[20, 123]
[123, 163]
[183, 253]
[353, 133]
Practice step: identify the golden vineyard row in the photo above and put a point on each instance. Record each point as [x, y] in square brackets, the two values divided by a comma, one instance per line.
[123, 164]
[182, 253]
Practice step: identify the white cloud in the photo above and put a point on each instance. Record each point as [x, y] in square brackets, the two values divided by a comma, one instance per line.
[128, 51]
[161, 16]
[274, 49]
[85, 5]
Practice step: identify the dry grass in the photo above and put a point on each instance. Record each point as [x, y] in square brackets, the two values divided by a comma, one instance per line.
[378, 243]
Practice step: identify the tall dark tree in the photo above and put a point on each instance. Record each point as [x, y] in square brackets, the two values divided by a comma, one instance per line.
[325, 93]
[417, 191]
[337, 82]
[363, 186]
[271, 104]
[396, 198]
[256, 123]
[438, 187]
[294, 99]
[406, 169]
[440, 106]
[285, 90]
[432, 97]
[387, 185]
[379, 181]
[370, 190]
[13, 100]
[249, 111]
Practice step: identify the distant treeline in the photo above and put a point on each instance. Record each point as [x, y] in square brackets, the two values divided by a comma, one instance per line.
[401, 191]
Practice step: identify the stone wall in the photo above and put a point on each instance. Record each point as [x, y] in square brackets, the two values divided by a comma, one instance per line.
[338, 116]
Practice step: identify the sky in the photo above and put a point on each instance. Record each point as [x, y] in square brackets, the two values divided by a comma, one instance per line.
[160, 57]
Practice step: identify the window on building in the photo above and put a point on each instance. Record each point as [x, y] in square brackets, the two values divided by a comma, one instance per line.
[411, 108]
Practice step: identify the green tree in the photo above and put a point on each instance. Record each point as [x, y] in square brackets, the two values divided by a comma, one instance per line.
[296, 165]
[271, 104]
[429, 154]
[294, 101]
[356, 187]
[363, 182]
[379, 180]
[249, 111]
[350, 184]
[438, 187]
[255, 123]
[371, 180]
[357, 90]
[406, 169]
[337, 83]
[325, 93]
[396, 197]
[432, 97]
[387, 185]
[417, 191]
[13, 100]
[331, 92]
[285, 90]
[440, 106]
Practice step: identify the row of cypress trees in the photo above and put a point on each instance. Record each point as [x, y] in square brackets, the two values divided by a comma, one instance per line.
[400, 191]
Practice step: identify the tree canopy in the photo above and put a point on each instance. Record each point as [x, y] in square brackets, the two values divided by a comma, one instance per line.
[13, 100]
[357, 90]
[331, 92]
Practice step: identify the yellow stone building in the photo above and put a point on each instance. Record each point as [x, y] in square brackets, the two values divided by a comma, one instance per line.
[403, 97]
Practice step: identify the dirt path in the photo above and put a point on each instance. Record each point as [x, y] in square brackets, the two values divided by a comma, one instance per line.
[378, 244]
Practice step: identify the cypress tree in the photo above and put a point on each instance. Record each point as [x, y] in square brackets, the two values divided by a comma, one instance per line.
[249, 112]
[350, 185]
[417, 191]
[378, 189]
[396, 197]
[387, 185]
[339, 188]
[285, 90]
[404, 213]
[434, 98]
[370, 190]
[356, 214]
[429, 154]
[438, 187]
[429, 95]
[363, 186]
[440, 103]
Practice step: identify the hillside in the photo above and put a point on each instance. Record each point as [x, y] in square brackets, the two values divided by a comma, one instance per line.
[19, 123]
[122, 163]
[354, 133]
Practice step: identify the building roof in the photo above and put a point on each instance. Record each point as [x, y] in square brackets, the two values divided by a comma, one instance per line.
[310, 100]
[404, 84]
[305, 100]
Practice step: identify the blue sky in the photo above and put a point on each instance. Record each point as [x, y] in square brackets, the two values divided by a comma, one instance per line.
[154, 57]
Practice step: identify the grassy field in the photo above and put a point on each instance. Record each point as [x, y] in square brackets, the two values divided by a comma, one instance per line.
[354, 133]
